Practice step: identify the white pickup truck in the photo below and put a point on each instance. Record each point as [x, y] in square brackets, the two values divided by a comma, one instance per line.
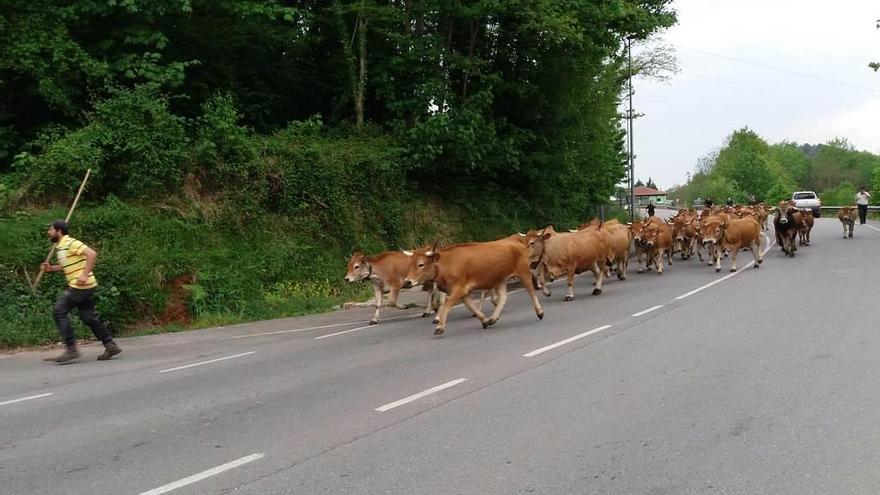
[807, 200]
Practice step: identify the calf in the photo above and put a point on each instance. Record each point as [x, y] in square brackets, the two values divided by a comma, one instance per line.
[847, 217]
[805, 228]
[460, 269]
[386, 271]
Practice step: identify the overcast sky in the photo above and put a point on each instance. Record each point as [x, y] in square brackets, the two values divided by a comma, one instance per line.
[822, 89]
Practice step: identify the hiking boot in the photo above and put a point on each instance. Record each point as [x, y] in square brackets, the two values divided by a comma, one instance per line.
[110, 350]
[68, 355]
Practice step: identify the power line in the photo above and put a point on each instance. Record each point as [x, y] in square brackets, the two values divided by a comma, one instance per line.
[777, 69]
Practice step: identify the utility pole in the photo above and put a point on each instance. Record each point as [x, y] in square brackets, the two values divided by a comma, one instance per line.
[629, 134]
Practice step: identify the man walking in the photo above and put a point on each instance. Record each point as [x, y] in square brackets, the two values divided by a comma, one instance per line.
[862, 199]
[650, 209]
[76, 260]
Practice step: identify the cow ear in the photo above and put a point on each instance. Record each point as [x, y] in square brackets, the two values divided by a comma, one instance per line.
[434, 256]
[546, 236]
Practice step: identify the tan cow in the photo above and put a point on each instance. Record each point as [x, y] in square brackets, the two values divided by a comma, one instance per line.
[568, 253]
[806, 227]
[732, 235]
[386, 271]
[617, 238]
[658, 242]
[684, 230]
[460, 269]
[639, 246]
[847, 217]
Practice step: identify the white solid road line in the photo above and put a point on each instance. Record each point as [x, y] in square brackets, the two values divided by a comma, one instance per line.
[309, 329]
[641, 313]
[204, 474]
[358, 329]
[722, 279]
[419, 395]
[26, 398]
[208, 362]
[871, 227]
[566, 341]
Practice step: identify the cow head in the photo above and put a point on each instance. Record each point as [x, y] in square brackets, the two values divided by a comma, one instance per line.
[422, 266]
[712, 231]
[359, 268]
[638, 232]
[535, 243]
[784, 211]
[651, 235]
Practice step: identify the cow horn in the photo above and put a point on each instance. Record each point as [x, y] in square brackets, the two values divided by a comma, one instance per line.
[521, 234]
[573, 231]
[408, 253]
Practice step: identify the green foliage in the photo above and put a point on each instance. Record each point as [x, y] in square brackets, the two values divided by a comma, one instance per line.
[773, 172]
[842, 195]
[133, 144]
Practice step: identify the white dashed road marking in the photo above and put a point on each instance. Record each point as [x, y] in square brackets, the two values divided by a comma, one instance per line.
[407, 400]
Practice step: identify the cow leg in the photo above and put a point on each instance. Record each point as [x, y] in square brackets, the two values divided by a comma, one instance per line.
[438, 303]
[658, 261]
[569, 275]
[523, 275]
[639, 254]
[501, 292]
[427, 311]
[472, 306]
[451, 300]
[733, 255]
[377, 293]
[542, 278]
[718, 250]
[392, 297]
[599, 279]
[622, 266]
[669, 257]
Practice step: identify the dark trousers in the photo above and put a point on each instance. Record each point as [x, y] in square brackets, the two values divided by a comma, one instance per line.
[863, 213]
[84, 300]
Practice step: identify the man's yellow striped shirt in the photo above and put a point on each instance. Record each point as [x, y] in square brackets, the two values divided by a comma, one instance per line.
[72, 259]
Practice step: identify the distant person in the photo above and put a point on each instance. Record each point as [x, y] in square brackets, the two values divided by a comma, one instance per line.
[862, 199]
[709, 202]
[650, 209]
[76, 260]
[753, 200]
[729, 201]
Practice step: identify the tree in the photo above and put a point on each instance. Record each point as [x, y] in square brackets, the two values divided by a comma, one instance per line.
[651, 183]
[639, 183]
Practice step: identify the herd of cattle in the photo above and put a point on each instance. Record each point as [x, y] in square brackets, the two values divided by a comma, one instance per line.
[450, 274]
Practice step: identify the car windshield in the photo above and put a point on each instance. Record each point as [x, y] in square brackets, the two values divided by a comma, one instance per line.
[805, 195]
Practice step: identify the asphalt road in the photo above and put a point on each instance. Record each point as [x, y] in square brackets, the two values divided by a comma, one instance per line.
[766, 381]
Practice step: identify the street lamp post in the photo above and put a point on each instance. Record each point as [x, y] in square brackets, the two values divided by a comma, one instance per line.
[629, 133]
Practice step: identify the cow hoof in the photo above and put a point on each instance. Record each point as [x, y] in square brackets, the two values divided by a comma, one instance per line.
[717, 270]
[733, 269]
[757, 265]
[850, 236]
[438, 331]
[374, 322]
[436, 320]
[659, 272]
[596, 292]
[621, 277]
[639, 270]
[569, 298]
[546, 293]
[426, 314]
[540, 315]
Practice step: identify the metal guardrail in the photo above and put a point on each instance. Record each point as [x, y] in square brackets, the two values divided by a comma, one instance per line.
[836, 208]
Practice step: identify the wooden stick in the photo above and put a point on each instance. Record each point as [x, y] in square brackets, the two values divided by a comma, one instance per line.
[66, 219]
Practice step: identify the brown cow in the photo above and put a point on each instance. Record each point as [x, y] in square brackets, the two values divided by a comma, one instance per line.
[658, 242]
[732, 235]
[568, 253]
[639, 246]
[786, 223]
[806, 227]
[684, 230]
[617, 237]
[847, 217]
[387, 272]
[460, 269]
